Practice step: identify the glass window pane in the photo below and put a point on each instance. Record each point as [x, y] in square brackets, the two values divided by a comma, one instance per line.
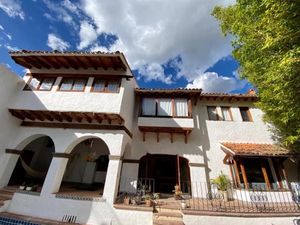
[212, 113]
[226, 113]
[79, 85]
[113, 86]
[245, 113]
[34, 83]
[47, 84]
[149, 107]
[181, 107]
[99, 85]
[66, 84]
[164, 107]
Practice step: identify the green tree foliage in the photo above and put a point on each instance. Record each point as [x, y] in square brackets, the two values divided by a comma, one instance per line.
[266, 37]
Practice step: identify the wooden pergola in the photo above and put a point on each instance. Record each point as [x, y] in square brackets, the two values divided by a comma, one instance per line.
[236, 152]
[70, 119]
[70, 59]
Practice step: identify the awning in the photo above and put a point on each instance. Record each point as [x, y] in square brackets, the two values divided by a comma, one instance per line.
[69, 59]
[256, 150]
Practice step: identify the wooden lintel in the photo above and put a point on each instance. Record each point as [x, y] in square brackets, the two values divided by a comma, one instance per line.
[77, 126]
[265, 175]
[13, 151]
[61, 155]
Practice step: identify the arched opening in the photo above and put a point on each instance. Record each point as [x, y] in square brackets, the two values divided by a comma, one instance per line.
[86, 169]
[33, 164]
[165, 171]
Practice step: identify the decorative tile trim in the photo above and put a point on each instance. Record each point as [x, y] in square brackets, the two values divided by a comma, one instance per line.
[80, 198]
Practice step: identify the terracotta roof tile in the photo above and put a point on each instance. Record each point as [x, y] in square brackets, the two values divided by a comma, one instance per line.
[255, 149]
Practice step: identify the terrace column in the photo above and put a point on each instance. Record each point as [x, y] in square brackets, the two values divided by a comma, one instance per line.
[112, 178]
[55, 173]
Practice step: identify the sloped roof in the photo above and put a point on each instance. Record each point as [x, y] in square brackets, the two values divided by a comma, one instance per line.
[255, 149]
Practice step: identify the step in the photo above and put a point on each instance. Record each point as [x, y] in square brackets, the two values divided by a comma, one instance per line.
[168, 214]
[167, 222]
[5, 195]
[7, 192]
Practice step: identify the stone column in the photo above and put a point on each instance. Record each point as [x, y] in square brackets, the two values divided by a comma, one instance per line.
[55, 173]
[8, 162]
[112, 178]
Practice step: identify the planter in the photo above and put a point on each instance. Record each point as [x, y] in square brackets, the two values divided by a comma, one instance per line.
[225, 195]
[126, 201]
[148, 202]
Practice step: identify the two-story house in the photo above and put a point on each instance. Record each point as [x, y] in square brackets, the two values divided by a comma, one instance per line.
[77, 134]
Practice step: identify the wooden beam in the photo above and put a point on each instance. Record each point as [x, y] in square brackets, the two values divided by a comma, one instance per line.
[237, 174]
[33, 62]
[77, 126]
[244, 175]
[265, 175]
[233, 178]
[157, 136]
[56, 116]
[78, 60]
[13, 151]
[178, 171]
[17, 114]
[277, 172]
[62, 61]
[185, 137]
[113, 63]
[22, 62]
[87, 117]
[37, 115]
[28, 114]
[73, 64]
[98, 118]
[121, 63]
[66, 116]
[47, 115]
[54, 62]
[102, 63]
[171, 137]
[92, 63]
[41, 61]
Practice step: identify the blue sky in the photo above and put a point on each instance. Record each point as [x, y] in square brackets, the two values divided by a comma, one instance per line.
[168, 44]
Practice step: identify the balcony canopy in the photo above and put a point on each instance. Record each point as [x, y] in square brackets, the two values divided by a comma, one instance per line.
[70, 59]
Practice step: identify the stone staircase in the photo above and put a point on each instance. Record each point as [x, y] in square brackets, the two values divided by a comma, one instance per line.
[6, 194]
[167, 216]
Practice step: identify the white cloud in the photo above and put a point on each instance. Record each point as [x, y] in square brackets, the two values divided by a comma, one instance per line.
[12, 8]
[87, 35]
[155, 71]
[60, 13]
[153, 32]
[11, 48]
[8, 36]
[213, 82]
[56, 43]
[70, 6]
[1, 27]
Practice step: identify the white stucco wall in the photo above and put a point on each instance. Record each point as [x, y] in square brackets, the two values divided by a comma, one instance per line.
[9, 82]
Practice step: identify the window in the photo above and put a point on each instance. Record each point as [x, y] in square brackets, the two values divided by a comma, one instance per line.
[101, 85]
[181, 107]
[226, 114]
[245, 113]
[165, 107]
[149, 107]
[72, 84]
[42, 84]
[212, 113]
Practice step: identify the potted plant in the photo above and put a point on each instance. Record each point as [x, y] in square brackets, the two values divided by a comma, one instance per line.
[223, 184]
[148, 200]
[177, 192]
[126, 200]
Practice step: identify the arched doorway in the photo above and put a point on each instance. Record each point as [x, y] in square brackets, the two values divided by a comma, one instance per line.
[86, 168]
[166, 171]
[33, 164]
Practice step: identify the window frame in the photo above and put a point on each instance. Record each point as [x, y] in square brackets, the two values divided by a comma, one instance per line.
[217, 114]
[230, 114]
[71, 78]
[28, 88]
[173, 110]
[106, 82]
[248, 114]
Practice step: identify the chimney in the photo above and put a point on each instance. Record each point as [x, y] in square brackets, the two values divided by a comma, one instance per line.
[251, 92]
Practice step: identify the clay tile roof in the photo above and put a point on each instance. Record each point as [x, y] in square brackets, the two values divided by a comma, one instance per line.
[168, 91]
[55, 52]
[255, 149]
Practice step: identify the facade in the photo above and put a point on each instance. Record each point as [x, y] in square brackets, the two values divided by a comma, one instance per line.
[77, 134]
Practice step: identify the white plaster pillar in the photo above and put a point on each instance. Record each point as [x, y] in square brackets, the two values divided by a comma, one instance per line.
[8, 162]
[55, 174]
[112, 178]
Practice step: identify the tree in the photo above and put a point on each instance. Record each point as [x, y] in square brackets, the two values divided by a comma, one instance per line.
[266, 38]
